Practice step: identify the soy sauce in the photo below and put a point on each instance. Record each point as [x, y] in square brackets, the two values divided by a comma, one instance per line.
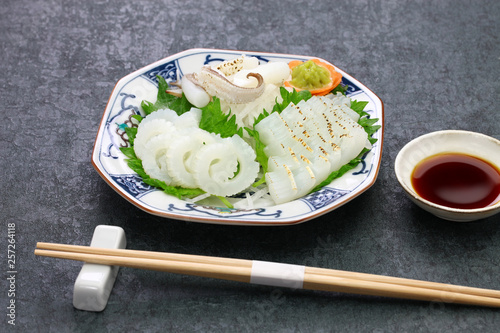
[457, 181]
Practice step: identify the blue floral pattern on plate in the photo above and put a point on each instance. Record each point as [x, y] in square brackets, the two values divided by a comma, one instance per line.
[141, 85]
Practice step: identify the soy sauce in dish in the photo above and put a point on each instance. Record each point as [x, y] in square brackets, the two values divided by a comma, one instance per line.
[457, 180]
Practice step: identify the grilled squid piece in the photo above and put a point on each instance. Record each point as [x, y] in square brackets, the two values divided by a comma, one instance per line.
[216, 84]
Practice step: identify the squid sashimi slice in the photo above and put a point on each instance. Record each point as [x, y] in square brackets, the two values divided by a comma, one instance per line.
[181, 152]
[276, 162]
[212, 174]
[233, 66]
[155, 161]
[188, 119]
[343, 103]
[317, 133]
[305, 180]
[148, 130]
[273, 73]
[339, 128]
[352, 137]
[281, 184]
[166, 114]
[279, 137]
[322, 168]
[302, 176]
[272, 132]
[194, 93]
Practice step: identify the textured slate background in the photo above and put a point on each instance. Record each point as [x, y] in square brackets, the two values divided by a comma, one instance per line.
[435, 64]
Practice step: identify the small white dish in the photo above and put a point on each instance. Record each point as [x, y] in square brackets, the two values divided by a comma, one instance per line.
[448, 141]
[142, 84]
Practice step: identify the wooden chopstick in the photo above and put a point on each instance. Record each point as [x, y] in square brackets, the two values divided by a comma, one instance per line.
[145, 254]
[248, 263]
[407, 282]
[241, 270]
[225, 272]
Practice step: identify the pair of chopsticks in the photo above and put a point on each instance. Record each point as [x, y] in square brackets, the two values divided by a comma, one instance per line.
[241, 270]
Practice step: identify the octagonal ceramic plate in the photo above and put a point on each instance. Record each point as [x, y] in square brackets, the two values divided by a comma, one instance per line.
[141, 85]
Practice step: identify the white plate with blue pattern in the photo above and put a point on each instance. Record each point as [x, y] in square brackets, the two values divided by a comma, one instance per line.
[142, 84]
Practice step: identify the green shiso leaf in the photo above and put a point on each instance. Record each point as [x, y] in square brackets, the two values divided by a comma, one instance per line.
[359, 107]
[214, 120]
[291, 97]
[165, 100]
[340, 89]
[131, 133]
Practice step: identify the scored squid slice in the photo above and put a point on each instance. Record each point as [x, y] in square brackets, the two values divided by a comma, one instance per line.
[317, 135]
[155, 161]
[188, 119]
[226, 167]
[281, 184]
[305, 180]
[179, 157]
[342, 102]
[341, 130]
[166, 114]
[148, 130]
[299, 173]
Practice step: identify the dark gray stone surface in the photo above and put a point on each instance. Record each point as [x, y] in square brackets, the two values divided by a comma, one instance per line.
[435, 64]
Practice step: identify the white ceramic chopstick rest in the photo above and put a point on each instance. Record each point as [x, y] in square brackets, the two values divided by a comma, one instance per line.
[277, 274]
[95, 282]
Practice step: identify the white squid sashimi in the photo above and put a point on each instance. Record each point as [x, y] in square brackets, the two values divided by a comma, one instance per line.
[194, 93]
[188, 119]
[181, 152]
[299, 172]
[278, 136]
[211, 169]
[317, 134]
[148, 130]
[233, 66]
[322, 167]
[155, 161]
[339, 129]
[343, 103]
[165, 114]
[272, 72]
[281, 184]
[305, 180]
[278, 161]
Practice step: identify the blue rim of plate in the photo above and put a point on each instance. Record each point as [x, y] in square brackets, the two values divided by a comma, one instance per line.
[142, 84]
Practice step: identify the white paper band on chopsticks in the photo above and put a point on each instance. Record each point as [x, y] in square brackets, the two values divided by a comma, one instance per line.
[277, 274]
